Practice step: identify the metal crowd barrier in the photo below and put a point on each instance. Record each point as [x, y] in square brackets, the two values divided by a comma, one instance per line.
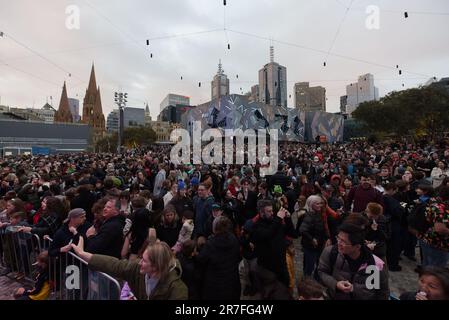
[71, 279]
[18, 253]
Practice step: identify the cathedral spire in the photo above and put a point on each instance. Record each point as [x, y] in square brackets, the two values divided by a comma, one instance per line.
[63, 114]
[92, 81]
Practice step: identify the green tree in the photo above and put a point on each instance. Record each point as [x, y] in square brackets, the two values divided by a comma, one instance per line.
[133, 137]
[415, 111]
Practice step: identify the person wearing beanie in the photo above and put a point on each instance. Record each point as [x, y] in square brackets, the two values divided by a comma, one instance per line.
[73, 227]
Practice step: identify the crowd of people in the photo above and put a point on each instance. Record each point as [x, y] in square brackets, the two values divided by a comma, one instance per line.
[197, 231]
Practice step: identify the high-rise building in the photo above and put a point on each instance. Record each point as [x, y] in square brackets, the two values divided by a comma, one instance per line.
[148, 118]
[74, 105]
[309, 98]
[63, 114]
[174, 100]
[361, 91]
[254, 97]
[92, 109]
[273, 83]
[343, 103]
[133, 117]
[112, 121]
[220, 84]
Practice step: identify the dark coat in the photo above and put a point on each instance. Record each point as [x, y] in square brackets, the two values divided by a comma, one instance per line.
[379, 236]
[63, 236]
[85, 200]
[47, 225]
[279, 178]
[249, 209]
[181, 204]
[190, 275]
[219, 260]
[169, 234]
[109, 239]
[268, 237]
[313, 227]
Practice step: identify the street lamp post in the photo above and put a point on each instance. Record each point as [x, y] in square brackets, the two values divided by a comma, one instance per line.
[120, 100]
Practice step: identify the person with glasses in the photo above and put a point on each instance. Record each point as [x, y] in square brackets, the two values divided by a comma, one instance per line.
[349, 270]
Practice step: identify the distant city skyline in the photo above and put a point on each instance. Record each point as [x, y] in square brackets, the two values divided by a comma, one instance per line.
[37, 51]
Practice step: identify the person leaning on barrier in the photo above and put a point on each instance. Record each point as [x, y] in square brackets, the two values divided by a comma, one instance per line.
[156, 277]
[73, 227]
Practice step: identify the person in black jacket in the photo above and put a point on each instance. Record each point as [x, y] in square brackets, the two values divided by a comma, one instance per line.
[85, 199]
[190, 275]
[73, 227]
[279, 178]
[219, 259]
[394, 213]
[313, 232]
[109, 238]
[168, 230]
[181, 201]
[268, 236]
[376, 230]
[248, 199]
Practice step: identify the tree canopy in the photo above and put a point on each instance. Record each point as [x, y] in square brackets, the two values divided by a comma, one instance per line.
[133, 137]
[415, 112]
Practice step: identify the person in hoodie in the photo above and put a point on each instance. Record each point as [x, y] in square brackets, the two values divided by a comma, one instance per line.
[219, 258]
[108, 240]
[156, 277]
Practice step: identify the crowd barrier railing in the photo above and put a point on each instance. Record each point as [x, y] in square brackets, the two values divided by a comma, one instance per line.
[18, 252]
[71, 278]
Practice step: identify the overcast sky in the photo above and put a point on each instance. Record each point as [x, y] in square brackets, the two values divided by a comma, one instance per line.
[113, 34]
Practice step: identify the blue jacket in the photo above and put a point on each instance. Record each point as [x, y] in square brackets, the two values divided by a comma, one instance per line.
[203, 210]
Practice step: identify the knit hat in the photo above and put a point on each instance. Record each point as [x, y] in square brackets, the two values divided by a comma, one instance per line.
[181, 185]
[216, 206]
[75, 213]
[277, 189]
[194, 181]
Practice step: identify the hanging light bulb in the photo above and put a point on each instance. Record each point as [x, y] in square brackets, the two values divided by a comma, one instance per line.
[181, 77]
[229, 46]
[224, 2]
[148, 42]
[151, 55]
[199, 84]
[406, 14]
[324, 64]
[237, 76]
[400, 72]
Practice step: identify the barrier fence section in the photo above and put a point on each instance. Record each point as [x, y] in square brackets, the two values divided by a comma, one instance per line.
[18, 252]
[69, 276]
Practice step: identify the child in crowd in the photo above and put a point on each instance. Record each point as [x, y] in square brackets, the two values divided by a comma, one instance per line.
[41, 288]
